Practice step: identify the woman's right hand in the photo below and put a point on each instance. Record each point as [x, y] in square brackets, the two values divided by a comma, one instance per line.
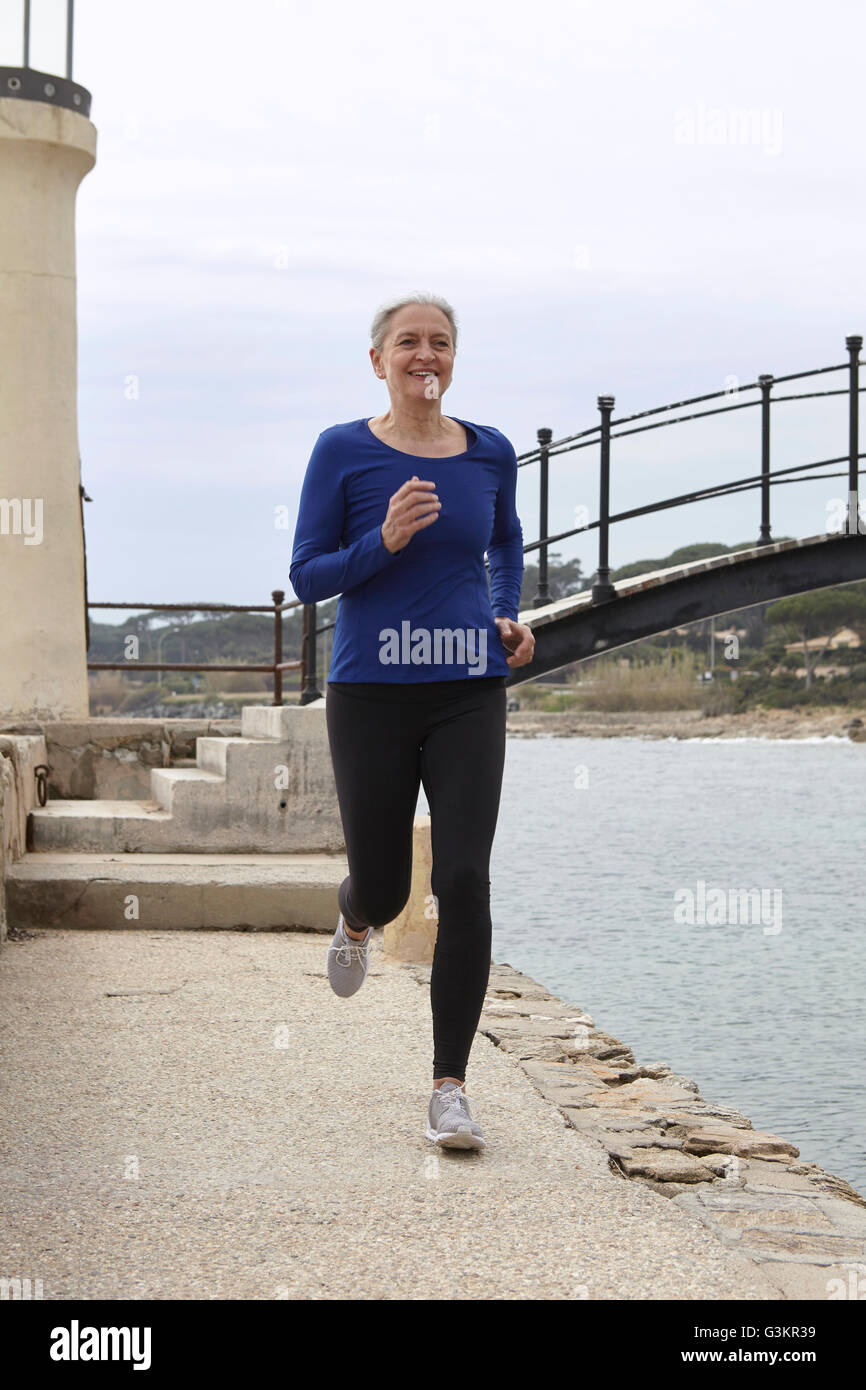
[412, 507]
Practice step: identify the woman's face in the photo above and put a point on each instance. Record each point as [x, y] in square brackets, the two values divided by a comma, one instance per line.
[418, 341]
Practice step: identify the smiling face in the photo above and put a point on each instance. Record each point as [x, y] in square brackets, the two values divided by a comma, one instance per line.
[418, 343]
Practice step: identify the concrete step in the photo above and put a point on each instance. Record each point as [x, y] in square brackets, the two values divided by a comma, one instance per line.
[212, 754]
[269, 791]
[165, 781]
[244, 761]
[186, 891]
[280, 722]
[71, 825]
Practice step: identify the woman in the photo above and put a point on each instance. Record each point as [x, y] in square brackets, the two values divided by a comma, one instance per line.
[395, 515]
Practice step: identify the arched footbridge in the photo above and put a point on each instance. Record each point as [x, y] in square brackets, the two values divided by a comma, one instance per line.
[574, 628]
[613, 614]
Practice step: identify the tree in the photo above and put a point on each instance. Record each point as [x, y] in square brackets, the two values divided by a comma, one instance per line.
[857, 617]
[563, 578]
[818, 614]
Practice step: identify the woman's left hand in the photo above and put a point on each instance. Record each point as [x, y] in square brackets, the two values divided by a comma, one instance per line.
[518, 639]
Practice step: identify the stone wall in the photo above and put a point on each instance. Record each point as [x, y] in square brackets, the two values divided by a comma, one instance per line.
[19, 756]
[111, 759]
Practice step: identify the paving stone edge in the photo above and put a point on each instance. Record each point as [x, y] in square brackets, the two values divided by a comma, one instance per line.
[749, 1187]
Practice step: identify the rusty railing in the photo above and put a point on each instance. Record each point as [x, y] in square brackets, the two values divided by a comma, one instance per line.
[306, 664]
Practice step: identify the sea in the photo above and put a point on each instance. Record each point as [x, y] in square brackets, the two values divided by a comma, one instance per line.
[705, 901]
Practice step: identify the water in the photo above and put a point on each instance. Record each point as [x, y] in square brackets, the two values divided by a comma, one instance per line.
[765, 1015]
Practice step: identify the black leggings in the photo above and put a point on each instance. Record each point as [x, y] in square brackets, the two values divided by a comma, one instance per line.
[386, 738]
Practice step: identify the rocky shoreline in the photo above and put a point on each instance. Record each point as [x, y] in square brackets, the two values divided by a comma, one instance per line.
[805, 1227]
[840, 721]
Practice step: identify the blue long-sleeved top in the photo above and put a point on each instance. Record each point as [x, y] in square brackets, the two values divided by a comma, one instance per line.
[423, 613]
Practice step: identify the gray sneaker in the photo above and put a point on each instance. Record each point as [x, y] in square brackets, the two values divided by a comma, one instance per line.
[348, 961]
[449, 1123]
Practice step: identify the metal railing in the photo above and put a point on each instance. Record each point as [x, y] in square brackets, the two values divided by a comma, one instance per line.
[602, 434]
[70, 24]
[306, 664]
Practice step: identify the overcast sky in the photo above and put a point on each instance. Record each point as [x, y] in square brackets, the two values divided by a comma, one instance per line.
[583, 182]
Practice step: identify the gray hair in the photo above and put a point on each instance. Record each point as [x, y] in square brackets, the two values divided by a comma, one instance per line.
[382, 319]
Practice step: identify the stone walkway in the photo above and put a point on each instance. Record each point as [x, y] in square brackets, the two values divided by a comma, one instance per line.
[196, 1115]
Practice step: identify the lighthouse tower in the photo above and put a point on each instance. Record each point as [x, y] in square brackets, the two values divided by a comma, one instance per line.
[47, 145]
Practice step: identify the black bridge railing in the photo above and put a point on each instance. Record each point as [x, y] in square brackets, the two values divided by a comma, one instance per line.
[602, 434]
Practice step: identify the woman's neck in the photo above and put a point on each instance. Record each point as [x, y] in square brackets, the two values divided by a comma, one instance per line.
[424, 426]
